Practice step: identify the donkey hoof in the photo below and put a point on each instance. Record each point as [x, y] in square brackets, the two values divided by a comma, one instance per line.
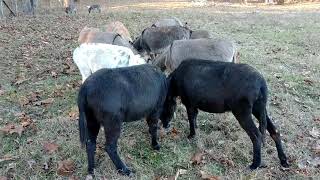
[156, 147]
[191, 136]
[285, 164]
[91, 172]
[253, 166]
[166, 127]
[263, 165]
[126, 172]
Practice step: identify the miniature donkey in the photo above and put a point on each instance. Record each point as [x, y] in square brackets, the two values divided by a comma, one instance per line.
[217, 87]
[111, 96]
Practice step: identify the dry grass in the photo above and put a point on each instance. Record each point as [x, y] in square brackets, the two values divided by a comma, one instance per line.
[283, 45]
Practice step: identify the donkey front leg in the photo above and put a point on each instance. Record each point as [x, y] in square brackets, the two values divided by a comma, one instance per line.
[153, 126]
[112, 135]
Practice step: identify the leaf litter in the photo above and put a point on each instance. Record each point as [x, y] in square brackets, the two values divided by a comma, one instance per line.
[66, 167]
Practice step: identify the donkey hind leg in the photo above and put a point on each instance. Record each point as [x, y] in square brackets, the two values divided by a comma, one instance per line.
[192, 116]
[153, 126]
[244, 117]
[112, 134]
[276, 137]
[259, 111]
[93, 131]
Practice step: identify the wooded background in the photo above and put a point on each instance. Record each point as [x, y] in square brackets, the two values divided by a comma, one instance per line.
[29, 7]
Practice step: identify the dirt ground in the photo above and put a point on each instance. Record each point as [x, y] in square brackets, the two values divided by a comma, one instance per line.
[39, 84]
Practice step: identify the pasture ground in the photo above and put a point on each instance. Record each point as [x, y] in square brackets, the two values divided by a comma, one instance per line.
[39, 85]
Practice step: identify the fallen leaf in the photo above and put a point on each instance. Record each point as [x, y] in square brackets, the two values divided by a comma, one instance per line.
[205, 176]
[57, 93]
[68, 67]
[73, 177]
[50, 147]
[25, 123]
[65, 168]
[100, 149]
[178, 173]
[315, 132]
[23, 101]
[197, 158]
[227, 162]
[20, 114]
[10, 171]
[7, 158]
[308, 81]
[31, 97]
[45, 166]
[28, 65]
[6, 129]
[316, 147]
[129, 157]
[54, 74]
[304, 172]
[19, 80]
[45, 42]
[162, 132]
[74, 84]
[3, 178]
[29, 141]
[277, 75]
[74, 114]
[31, 163]
[182, 171]
[171, 178]
[34, 96]
[276, 50]
[25, 120]
[1, 92]
[174, 133]
[11, 129]
[44, 102]
[131, 141]
[18, 129]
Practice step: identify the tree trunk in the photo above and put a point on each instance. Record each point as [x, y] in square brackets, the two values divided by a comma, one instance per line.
[32, 4]
[268, 1]
[16, 6]
[280, 2]
[28, 6]
[1, 9]
[12, 5]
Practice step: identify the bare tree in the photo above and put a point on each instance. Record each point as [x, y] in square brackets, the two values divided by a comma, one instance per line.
[268, 1]
[12, 5]
[32, 4]
[280, 2]
[70, 6]
[243, 1]
[28, 6]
